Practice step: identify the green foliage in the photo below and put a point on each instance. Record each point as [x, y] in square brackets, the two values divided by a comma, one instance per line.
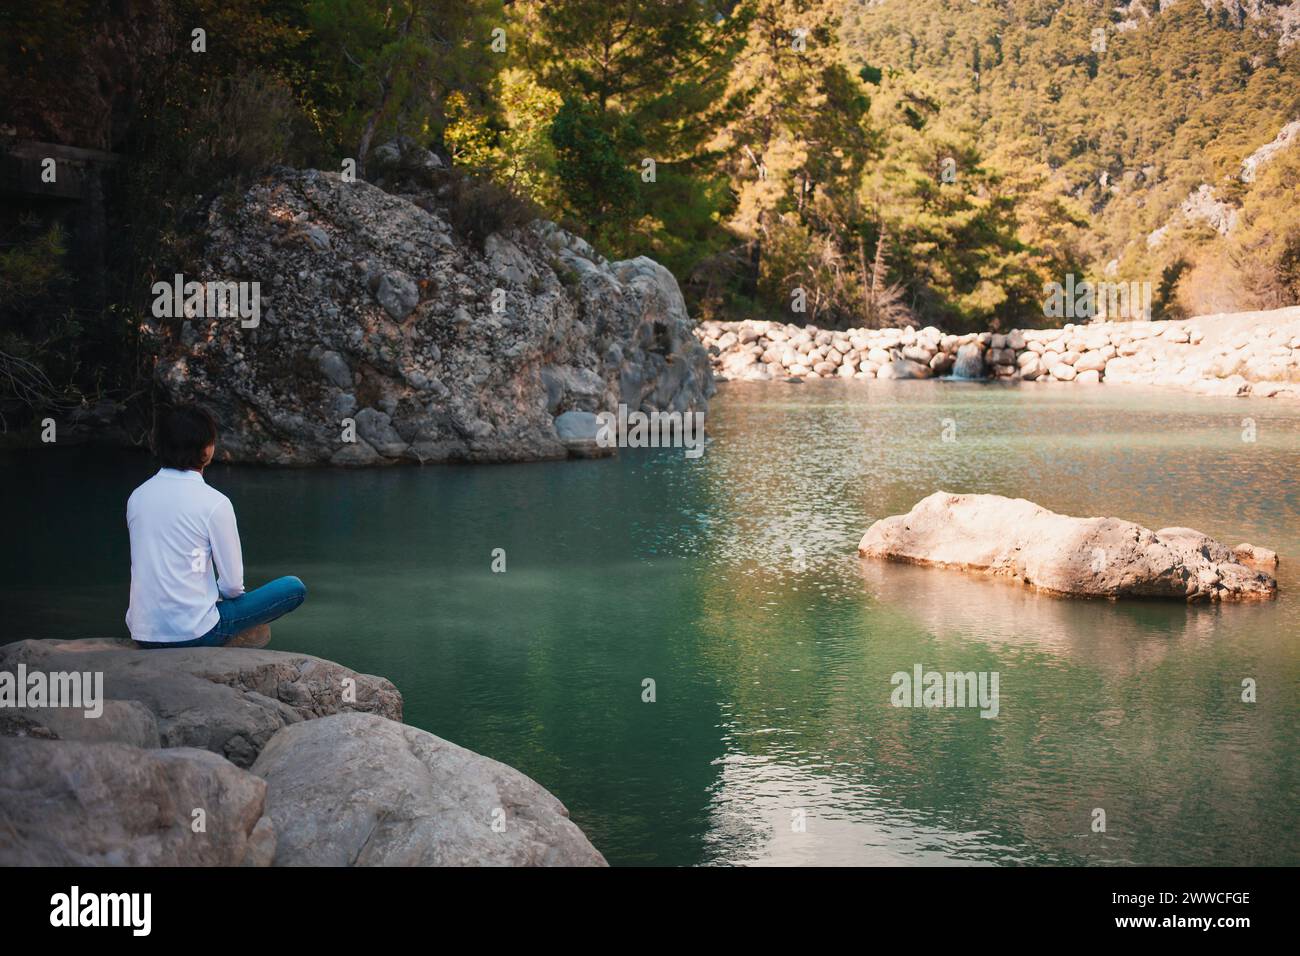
[477, 206]
[793, 151]
[1116, 137]
[597, 181]
[637, 82]
[1257, 266]
[968, 238]
[525, 157]
[50, 355]
[32, 269]
[467, 136]
[378, 68]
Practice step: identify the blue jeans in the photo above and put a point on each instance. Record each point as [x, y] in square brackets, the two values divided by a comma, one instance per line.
[258, 606]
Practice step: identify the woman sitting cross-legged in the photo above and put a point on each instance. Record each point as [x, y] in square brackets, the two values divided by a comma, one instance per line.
[182, 531]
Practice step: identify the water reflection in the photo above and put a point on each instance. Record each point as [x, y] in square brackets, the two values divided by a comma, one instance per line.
[734, 582]
[1132, 707]
[1119, 637]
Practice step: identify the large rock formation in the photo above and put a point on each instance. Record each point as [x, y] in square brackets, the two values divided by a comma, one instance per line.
[178, 732]
[1090, 557]
[399, 796]
[385, 336]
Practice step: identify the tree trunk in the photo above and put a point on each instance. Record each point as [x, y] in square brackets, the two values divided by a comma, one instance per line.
[385, 93]
[368, 133]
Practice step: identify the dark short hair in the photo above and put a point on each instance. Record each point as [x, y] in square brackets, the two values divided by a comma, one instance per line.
[181, 435]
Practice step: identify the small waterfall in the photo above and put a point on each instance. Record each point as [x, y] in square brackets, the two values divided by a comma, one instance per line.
[970, 362]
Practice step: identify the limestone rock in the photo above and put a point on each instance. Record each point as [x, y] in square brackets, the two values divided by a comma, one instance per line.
[1091, 557]
[65, 803]
[401, 160]
[122, 721]
[905, 368]
[1261, 559]
[227, 700]
[1090, 362]
[469, 349]
[1063, 372]
[359, 790]
[578, 431]
[1255, 353]
[398, 295]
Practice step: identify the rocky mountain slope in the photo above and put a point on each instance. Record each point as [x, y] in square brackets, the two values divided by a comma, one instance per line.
[1168, 119]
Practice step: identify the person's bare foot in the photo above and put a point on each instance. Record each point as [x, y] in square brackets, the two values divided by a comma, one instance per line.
[258, 636]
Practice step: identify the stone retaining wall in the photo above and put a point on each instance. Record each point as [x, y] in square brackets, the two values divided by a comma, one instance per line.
[1236, 354]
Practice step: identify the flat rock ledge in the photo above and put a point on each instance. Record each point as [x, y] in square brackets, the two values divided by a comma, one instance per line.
[1082, 557]
[240, 757]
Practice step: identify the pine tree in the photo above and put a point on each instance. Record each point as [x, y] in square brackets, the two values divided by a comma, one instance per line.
[642, 87]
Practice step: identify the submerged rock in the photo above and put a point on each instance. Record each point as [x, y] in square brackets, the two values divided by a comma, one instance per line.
[1090, 557]
[399, 796]
[580, 432]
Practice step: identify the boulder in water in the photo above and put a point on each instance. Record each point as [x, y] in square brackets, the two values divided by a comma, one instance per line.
[1088, 557]
[904, 368]
[579, 432]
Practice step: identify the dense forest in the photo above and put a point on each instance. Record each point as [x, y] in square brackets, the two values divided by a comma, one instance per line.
[930, 162]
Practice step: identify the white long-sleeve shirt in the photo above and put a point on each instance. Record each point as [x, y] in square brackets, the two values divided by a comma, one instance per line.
[182, 531]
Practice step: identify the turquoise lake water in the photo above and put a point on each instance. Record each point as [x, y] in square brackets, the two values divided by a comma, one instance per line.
[732, 581]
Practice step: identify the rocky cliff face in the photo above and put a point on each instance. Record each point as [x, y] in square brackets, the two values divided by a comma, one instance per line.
[1203, 203]
[384, 336]
[1277, 16]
